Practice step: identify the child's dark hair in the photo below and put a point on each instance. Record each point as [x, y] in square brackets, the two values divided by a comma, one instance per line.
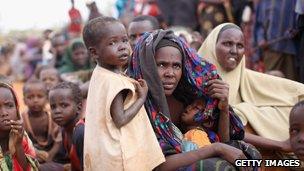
[76, 92]
[296, 106]
[33, 80]
[94, 30]
[151, 19]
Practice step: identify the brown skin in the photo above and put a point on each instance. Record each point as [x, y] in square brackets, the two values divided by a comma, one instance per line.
[230, 44]
[65, 111]
[169, 66]
[296, 132]
[9, 122]
[80, 57]
[137, 29]
[50, 77]
[35, 98]
[113, 50]
[112, 53]
[230, 48]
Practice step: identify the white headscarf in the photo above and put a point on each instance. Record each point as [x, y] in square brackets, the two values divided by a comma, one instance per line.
[262, 100]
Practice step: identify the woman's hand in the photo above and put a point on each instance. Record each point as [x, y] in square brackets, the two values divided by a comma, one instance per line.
[141, 88]
[285, 146]
[17, 131]
[220, 90]
[228, 152]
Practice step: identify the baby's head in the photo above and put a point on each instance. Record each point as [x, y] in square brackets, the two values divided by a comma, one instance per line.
[187, 117]
[296, 129]
[107, 41]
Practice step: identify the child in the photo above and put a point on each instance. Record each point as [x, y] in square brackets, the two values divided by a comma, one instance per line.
[16, 151]
[197, 132]
[296, 129]
[43, 132]
[66, 104]
[50, 77]
[118, 133]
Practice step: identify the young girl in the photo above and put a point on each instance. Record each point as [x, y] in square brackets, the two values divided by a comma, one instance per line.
[16, 151]
[66, 104]
[118, 133]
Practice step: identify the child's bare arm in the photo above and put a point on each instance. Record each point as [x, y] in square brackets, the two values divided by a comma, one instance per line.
[53, 151]
[220, 90]
[120, 116]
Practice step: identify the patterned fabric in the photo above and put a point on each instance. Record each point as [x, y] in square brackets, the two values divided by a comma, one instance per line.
[193, 84]
[9, 162]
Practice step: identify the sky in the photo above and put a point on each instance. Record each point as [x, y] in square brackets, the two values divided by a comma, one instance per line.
[37, 14]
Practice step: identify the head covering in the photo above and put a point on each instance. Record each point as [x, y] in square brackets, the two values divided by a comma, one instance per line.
[193, 84]
[68, 65]
[8, 86]
[256, 97]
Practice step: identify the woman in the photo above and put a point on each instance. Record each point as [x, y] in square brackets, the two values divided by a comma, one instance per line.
[260, 100]
[176, 76]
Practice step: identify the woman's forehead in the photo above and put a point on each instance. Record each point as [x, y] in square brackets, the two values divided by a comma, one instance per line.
[231, 33]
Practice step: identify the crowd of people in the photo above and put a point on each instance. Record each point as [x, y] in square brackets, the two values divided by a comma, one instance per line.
[185, 85]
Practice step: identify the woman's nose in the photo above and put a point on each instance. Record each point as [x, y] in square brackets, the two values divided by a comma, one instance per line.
[301, 137]
[169, 72]
[233, 49]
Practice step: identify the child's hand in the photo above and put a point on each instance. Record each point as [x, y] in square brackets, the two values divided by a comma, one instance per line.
[141, 88]
[220, 90]
[17, 131]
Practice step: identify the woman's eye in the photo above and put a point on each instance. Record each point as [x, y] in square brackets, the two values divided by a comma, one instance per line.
[161, 65]
[177, 67]
[227, 43]
[112, 43]
[240, 46]
[125, 40]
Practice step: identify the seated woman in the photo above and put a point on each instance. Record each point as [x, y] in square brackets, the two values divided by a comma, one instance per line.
[16, 150]
[261, 101]
[176, 76]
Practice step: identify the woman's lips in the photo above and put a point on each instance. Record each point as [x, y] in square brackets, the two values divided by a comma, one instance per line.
[168, 86]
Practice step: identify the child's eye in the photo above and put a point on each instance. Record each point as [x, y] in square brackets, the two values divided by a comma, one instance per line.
[294, 131]
[112, 43]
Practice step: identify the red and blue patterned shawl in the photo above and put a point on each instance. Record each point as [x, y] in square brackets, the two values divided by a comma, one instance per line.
[193, 84]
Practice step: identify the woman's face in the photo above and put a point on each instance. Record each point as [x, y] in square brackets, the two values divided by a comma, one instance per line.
[230, 48]
[169, 65]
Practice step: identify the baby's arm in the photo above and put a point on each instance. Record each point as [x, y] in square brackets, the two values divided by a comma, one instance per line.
[120, 116]
[220, 90]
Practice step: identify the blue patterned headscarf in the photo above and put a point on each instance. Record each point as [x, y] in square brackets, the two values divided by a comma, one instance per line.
[193, 85]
